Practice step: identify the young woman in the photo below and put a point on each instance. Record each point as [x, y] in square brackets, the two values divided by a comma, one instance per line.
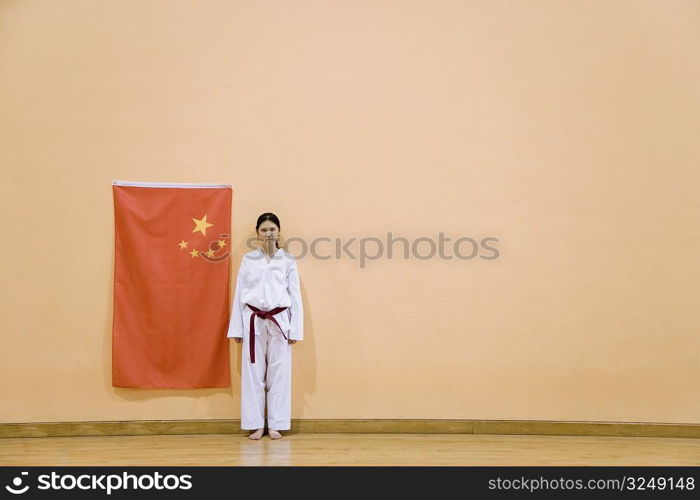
[267, 318]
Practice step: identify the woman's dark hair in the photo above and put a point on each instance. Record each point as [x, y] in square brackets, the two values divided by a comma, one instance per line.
[271, 217]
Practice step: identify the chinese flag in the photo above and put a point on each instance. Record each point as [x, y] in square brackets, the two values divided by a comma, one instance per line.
[171, 285]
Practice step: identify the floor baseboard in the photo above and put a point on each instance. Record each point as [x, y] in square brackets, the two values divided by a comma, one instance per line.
[340, 426]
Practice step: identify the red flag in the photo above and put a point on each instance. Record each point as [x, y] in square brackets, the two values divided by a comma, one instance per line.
[171, 285]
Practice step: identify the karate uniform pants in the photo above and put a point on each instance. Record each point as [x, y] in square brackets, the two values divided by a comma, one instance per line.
[269, 378]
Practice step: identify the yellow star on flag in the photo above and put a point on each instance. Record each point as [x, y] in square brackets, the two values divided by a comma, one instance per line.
[201, 225]
[183, 244]
[210, 253]
[222, 243]
[194, 253]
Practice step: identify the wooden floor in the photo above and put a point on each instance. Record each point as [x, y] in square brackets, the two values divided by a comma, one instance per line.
[349, 449]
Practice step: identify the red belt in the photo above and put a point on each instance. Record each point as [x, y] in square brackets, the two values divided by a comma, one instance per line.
[265, 315]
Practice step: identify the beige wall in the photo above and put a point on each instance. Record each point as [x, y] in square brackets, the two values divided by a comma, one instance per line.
[567, 130]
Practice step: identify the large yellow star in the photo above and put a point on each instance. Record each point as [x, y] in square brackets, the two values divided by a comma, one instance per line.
[201, 225]
[183, 244]
[194, 253]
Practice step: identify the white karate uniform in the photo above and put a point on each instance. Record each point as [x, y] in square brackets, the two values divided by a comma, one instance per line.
[267, 285]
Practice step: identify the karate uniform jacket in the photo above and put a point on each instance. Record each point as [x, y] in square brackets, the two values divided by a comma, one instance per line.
[267, 285]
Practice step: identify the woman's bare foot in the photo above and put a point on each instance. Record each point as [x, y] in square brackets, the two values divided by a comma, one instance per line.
[274, 434]
[256, 435]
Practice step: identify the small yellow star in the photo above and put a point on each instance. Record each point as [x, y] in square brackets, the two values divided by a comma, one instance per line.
[183, 244]
[210, 253]
[194, 253]
[201, 225]
[222, 243]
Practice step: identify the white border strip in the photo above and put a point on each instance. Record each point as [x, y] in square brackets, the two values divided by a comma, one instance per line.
[168, 185]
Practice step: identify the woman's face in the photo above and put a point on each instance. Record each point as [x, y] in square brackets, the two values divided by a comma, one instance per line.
[268, 230]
